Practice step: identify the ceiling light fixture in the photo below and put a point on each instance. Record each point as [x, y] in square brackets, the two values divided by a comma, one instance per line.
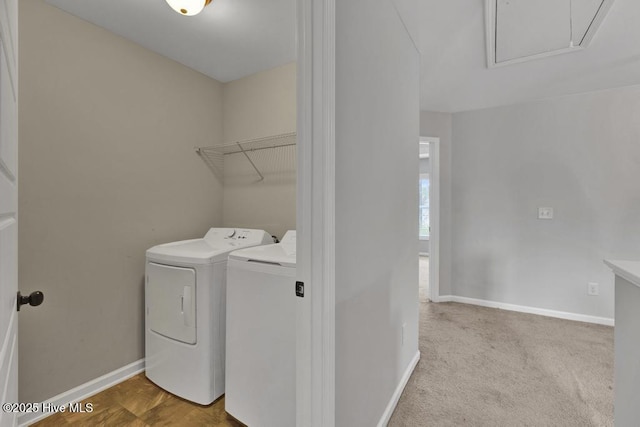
[188, 7]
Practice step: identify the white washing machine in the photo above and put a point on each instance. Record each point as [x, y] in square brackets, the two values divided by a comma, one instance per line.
[185, 312]
[261, 335]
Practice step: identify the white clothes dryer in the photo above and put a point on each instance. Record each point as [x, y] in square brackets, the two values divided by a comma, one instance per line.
[185, 296]
[261, 334]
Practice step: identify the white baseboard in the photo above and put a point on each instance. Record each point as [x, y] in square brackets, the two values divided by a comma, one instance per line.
[531, 310]
[386, 415]
[85, 390]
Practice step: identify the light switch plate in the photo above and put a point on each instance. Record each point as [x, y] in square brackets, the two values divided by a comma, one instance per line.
[545, 213]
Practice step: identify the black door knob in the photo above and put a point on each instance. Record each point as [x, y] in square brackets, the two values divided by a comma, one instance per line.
[34, 299]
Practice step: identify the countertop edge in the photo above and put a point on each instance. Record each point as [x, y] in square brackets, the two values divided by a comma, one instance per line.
[628, 270]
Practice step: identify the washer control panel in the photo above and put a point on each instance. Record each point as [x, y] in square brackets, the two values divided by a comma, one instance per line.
[237, 237]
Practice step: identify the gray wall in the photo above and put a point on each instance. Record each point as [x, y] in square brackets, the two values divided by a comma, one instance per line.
[263, 104]
[578, 154]
[440, 125]
[107, 170]
[376, 204]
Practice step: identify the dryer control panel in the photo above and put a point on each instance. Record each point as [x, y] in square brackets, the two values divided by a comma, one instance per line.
[239, 236]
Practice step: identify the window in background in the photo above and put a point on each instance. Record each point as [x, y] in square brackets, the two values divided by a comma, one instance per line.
[423, 209]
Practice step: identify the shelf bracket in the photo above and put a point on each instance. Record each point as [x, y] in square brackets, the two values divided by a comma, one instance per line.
[250, 161]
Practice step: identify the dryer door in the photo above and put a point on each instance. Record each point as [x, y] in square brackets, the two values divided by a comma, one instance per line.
[171, 301]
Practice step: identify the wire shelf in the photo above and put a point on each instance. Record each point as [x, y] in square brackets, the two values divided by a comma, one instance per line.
[214, 155]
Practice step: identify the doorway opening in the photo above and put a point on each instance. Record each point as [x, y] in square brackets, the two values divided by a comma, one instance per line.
[428, 220]
[423, 220]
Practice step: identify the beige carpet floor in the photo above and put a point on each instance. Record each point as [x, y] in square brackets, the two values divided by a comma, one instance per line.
[487, 367]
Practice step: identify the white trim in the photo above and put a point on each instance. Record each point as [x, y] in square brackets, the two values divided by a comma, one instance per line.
[536, 56]
[434, 217]
[85, 390]
[596, 23]
[489, 12]
[7, 359]
[530, 310]
[442, 298]
[429, 139]
[315, 313]
[9, 47]
[4, 168]
[326, 308]
[489, 19]
[406, 28]
[304, 126]
[5, 350]
[391, 406]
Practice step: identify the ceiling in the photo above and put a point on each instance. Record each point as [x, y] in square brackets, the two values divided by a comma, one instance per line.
[228, 40]
[231, 39]
[455, 77]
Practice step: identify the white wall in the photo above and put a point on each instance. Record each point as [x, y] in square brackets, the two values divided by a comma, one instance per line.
[578, 154]
[377, 127]
[263, 104]
[440, 125]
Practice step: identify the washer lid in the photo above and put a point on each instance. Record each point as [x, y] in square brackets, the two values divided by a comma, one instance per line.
[196, 251]
[214, 247]
[283, 254]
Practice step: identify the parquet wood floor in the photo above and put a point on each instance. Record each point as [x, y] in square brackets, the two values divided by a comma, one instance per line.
[138, 402]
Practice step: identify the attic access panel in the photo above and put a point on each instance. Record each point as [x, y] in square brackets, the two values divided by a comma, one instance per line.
[524, 30]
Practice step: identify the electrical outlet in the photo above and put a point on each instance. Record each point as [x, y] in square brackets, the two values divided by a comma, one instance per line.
[593, 289]
[545, 213]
